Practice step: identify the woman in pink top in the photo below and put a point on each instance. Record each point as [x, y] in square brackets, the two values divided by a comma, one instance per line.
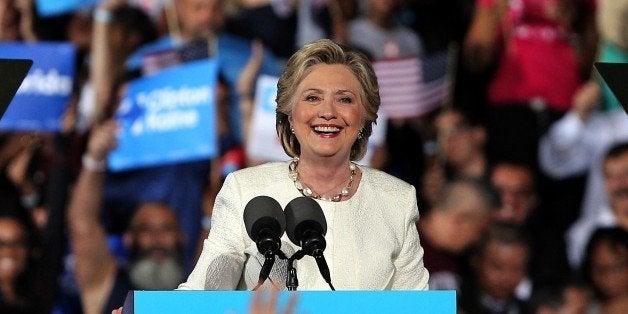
[538, 67]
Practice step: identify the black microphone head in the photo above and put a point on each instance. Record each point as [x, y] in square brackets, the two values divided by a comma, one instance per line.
[304, 214]
[264, 212]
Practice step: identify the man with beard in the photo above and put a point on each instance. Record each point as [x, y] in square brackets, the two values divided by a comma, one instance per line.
[153, 237]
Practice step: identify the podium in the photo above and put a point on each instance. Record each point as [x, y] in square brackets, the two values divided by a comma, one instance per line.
[312, 302]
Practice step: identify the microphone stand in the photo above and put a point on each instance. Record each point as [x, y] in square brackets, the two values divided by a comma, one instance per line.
[292, 282]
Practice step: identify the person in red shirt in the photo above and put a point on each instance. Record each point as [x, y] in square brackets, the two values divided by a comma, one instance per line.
[538, 68]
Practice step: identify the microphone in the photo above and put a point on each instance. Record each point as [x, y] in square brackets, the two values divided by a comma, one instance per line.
[265, 223]
[306, 227]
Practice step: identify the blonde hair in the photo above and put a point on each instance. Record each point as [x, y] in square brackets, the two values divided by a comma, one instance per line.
[325, 51]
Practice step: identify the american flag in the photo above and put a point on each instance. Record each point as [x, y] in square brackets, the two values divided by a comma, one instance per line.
[159, 60]
[411, 87]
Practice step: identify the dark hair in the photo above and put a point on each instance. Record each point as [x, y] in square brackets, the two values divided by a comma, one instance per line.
[133, 19]
[616, 237]
[504, 233]
[616, 150]
[553, 295]
[467, 116]
[519, 165]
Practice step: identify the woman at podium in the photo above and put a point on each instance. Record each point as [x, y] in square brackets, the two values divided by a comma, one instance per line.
[327, 102]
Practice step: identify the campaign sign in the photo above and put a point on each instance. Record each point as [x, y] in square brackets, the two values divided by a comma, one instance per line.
[41, 100]
[167, 118]
[263, 142]
[47, 8]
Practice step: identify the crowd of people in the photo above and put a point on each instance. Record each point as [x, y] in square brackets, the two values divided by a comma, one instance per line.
[520, 176]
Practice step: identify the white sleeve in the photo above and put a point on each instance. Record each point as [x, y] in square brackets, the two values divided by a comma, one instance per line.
[221, 262]
[563, 150]
[410, 273]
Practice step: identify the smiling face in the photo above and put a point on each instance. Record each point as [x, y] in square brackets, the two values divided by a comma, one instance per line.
[327, 114]
[300, 65]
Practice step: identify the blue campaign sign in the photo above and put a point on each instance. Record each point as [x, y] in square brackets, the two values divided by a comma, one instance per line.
[42, 99]
[47, 8]
[168, 118]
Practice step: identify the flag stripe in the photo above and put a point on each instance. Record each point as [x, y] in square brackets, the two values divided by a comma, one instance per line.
[412, 86]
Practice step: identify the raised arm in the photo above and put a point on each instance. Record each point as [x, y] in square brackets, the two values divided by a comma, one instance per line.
[480, 43]
[105, 64]
[27, 28]
[95, 265]
[246, 85]
[566, 149]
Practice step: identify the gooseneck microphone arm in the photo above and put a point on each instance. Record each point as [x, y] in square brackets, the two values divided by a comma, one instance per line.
[313, 244]
[269, 261]
[306, 227]
[323, 268]
[269, 245]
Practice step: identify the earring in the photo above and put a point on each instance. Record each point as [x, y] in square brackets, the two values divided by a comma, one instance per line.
[292, 129]
[360, 134]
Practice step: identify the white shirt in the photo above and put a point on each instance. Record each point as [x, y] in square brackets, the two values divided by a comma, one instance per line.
[572, 147]
[372, 241]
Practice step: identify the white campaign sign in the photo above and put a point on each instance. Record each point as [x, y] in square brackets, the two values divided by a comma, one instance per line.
[263, 143]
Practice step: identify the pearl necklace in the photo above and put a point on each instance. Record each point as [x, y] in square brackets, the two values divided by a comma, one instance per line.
[307, 191]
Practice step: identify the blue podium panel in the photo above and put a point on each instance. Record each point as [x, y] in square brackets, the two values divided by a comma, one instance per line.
[312, 302]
